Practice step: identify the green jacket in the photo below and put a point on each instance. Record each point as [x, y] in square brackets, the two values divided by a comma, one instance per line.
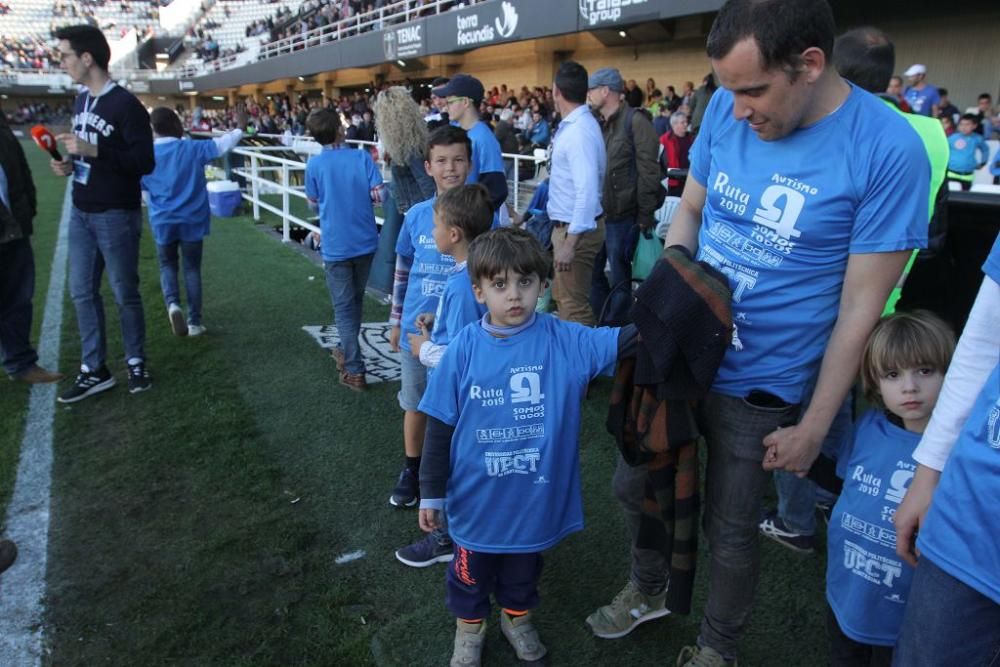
[632, 179]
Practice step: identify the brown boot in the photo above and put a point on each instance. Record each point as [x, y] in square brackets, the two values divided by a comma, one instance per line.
[353, 381]
[338, 356]
[38, 375]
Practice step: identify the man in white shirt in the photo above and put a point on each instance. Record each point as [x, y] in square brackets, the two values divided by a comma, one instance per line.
[576, 177]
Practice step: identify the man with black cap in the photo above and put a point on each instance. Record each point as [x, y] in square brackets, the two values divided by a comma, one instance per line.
[463, 95]
[632, 191]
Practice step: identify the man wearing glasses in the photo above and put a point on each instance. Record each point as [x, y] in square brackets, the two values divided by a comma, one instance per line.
[110, 148]
[464, 94]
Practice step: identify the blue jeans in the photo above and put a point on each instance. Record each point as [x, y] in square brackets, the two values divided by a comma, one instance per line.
[17, 285]
[947, 622]
[734, 431]
[98, 241]
[797, 496]
[191, 252]
[346, 281]
[620, 239]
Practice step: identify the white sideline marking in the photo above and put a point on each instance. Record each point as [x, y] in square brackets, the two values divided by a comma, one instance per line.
[22, 587]
[349, 556]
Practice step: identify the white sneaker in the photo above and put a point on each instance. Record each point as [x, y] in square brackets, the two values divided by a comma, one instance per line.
[177, 322]
[196, 329]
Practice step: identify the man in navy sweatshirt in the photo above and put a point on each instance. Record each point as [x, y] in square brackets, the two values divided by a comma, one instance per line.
[110, 148]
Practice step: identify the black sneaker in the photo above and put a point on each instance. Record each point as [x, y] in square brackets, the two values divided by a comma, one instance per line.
[88, 383]
[774, 527]
[435, 547]
[138, 378]
[407, 490]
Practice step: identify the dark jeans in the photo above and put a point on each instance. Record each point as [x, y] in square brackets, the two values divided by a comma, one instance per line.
[621, 237]
[734, 431]
[845, 652]
[191, 252]
[472, 576]
[947, 622]
[346, 281]
[17, 285]
[98, 241]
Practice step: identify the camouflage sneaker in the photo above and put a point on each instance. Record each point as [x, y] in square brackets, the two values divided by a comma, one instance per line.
[630, 608]
[702, 656]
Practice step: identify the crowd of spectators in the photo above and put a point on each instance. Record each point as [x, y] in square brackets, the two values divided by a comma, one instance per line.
[26, 53]
[30, 113]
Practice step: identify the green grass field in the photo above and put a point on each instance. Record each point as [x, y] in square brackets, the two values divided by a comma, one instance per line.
[199, 523]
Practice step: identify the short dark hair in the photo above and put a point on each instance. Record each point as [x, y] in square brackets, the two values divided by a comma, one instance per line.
[985, 96]
[448, 135]
[467, 207]
[571, 80]
[86, 38]
[324, 125]
[971, 117]
[782, 29]
[866, 57]
[507, 249]
[943, 92]
[166, 123]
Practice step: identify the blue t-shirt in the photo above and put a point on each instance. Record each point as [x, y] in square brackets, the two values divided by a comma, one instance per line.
[178, 199]
[922, 101]
[867, 584]
[486, 154]
[781, 217]
[429, 271]
[961, 531]
[458, 307]
[514, 483]
[967, 152]
[341, 179]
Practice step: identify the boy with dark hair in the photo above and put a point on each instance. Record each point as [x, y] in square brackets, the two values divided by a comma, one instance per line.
[503, 430]
[342, 184]
[460, 216]
[109, 149]
[418, 284]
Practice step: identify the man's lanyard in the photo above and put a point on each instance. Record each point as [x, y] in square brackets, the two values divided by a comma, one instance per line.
[90, 103]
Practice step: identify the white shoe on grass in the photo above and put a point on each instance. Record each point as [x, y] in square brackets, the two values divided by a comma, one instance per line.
[196, 329]
[177, 322]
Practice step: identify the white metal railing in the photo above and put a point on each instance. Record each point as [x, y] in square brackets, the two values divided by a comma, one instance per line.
[271, 174]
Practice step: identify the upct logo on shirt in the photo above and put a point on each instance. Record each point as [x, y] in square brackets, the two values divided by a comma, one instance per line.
[870, 566]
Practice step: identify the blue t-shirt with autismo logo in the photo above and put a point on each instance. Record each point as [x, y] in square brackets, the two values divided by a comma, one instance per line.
[341, 179]
[458, 307]
[781, 217]
[867, 584]
[962, 525]
[514, 482]
[429, 271]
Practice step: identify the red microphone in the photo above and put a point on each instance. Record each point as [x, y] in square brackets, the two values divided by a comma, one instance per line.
[45, 141]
